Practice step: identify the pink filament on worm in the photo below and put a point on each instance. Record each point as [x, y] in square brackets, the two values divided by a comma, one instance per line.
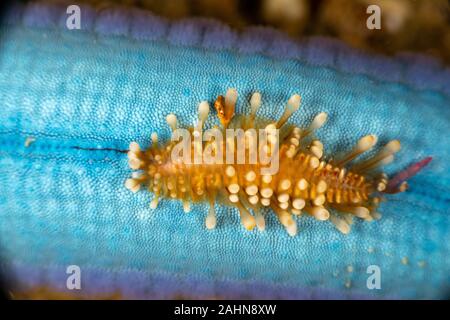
[408, 173]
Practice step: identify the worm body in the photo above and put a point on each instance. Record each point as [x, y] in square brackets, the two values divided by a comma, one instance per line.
[249, 163]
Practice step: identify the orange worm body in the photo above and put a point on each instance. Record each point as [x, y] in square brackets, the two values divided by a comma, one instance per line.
[334, 190]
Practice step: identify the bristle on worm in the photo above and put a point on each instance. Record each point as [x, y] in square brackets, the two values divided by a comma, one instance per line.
[211, 166]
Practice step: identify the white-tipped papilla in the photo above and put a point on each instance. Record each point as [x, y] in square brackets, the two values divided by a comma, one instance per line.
[210, 220]
[340, 224]
[366, 143]
[230, 171]
[234, 198]
[284, 197]
[172, 121]
[316, 151]
[383, 157]
[320, 213]
[319, 200]
[392, 147]
[285, 184]
[132, 185]
[250, 176]
[186, 206]
[253, 199]
[283, 205]
[154, 138]
[321, 186]
[302, 184]
[266, 192]
[154, 203]
[251, 190]
[361, 212]
[292, 105]
[294, 102]
[134, 147]
[231, 97]
[233, 188]
[260, 221]
[203, 111]
[318, 121]
[298, 203]
[292, 229]
[255, 103]
[247, 220]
